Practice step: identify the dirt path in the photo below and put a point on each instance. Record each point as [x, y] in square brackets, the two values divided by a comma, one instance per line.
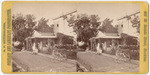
[38, 63]
[101, 63]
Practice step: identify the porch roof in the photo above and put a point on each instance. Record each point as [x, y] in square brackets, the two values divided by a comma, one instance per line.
[44, 37]
[37, 34]
[107, 35]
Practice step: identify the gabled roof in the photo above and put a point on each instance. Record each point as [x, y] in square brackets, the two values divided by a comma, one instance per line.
[107, 35]
[109, 29]
[44, 29]
[37, 34]
[61, 35]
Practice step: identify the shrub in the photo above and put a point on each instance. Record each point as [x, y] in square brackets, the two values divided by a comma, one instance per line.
[133, 50]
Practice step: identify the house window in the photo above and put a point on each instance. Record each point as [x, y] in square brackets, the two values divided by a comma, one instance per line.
[122, 25]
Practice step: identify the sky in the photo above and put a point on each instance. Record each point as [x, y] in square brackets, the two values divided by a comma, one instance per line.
[52, 10]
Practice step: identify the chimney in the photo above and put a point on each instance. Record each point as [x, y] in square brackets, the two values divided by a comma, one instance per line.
[56, 28]
[120, 27]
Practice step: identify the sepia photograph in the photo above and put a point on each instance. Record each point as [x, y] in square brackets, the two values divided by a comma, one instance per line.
[75, 37]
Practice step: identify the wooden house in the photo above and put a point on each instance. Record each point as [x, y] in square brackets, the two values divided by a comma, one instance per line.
[110, 41]
[45, 41]
[107, 41]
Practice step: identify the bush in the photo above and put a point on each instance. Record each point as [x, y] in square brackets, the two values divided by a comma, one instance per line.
[70, 47]
[133, 50]
[67, 51]
[130, 47]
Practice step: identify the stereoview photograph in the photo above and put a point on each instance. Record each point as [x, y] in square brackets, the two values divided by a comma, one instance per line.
[75, 37]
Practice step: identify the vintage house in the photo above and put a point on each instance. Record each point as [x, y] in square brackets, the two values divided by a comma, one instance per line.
[107, 41]
[111, 39]
[46, 40]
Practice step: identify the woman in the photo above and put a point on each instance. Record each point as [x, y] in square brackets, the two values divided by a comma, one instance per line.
[99, 50]
[34, 48]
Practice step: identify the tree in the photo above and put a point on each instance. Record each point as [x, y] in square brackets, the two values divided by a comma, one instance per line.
[30, 21]
[64, 39]
[107, 26]
[136, 23]
[18, 23]
[43, 26]
[84, 26]
[22, 27]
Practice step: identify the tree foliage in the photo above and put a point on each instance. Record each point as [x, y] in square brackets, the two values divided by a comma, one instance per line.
[30, 21]
[85, 26]
[22, 26]
[18, 22]
[43, 26]
[136, 23]
[64, 39]
[107, 26]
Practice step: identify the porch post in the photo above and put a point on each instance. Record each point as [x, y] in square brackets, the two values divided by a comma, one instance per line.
[26, 47]
[91, 44]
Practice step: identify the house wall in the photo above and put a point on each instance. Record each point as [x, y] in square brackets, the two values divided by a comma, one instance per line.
[28, 45]
[107, 45]
[110, 45]
[44, 45]
[93, 44]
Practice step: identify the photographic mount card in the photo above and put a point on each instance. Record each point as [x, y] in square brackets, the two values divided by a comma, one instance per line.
[75, 37]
